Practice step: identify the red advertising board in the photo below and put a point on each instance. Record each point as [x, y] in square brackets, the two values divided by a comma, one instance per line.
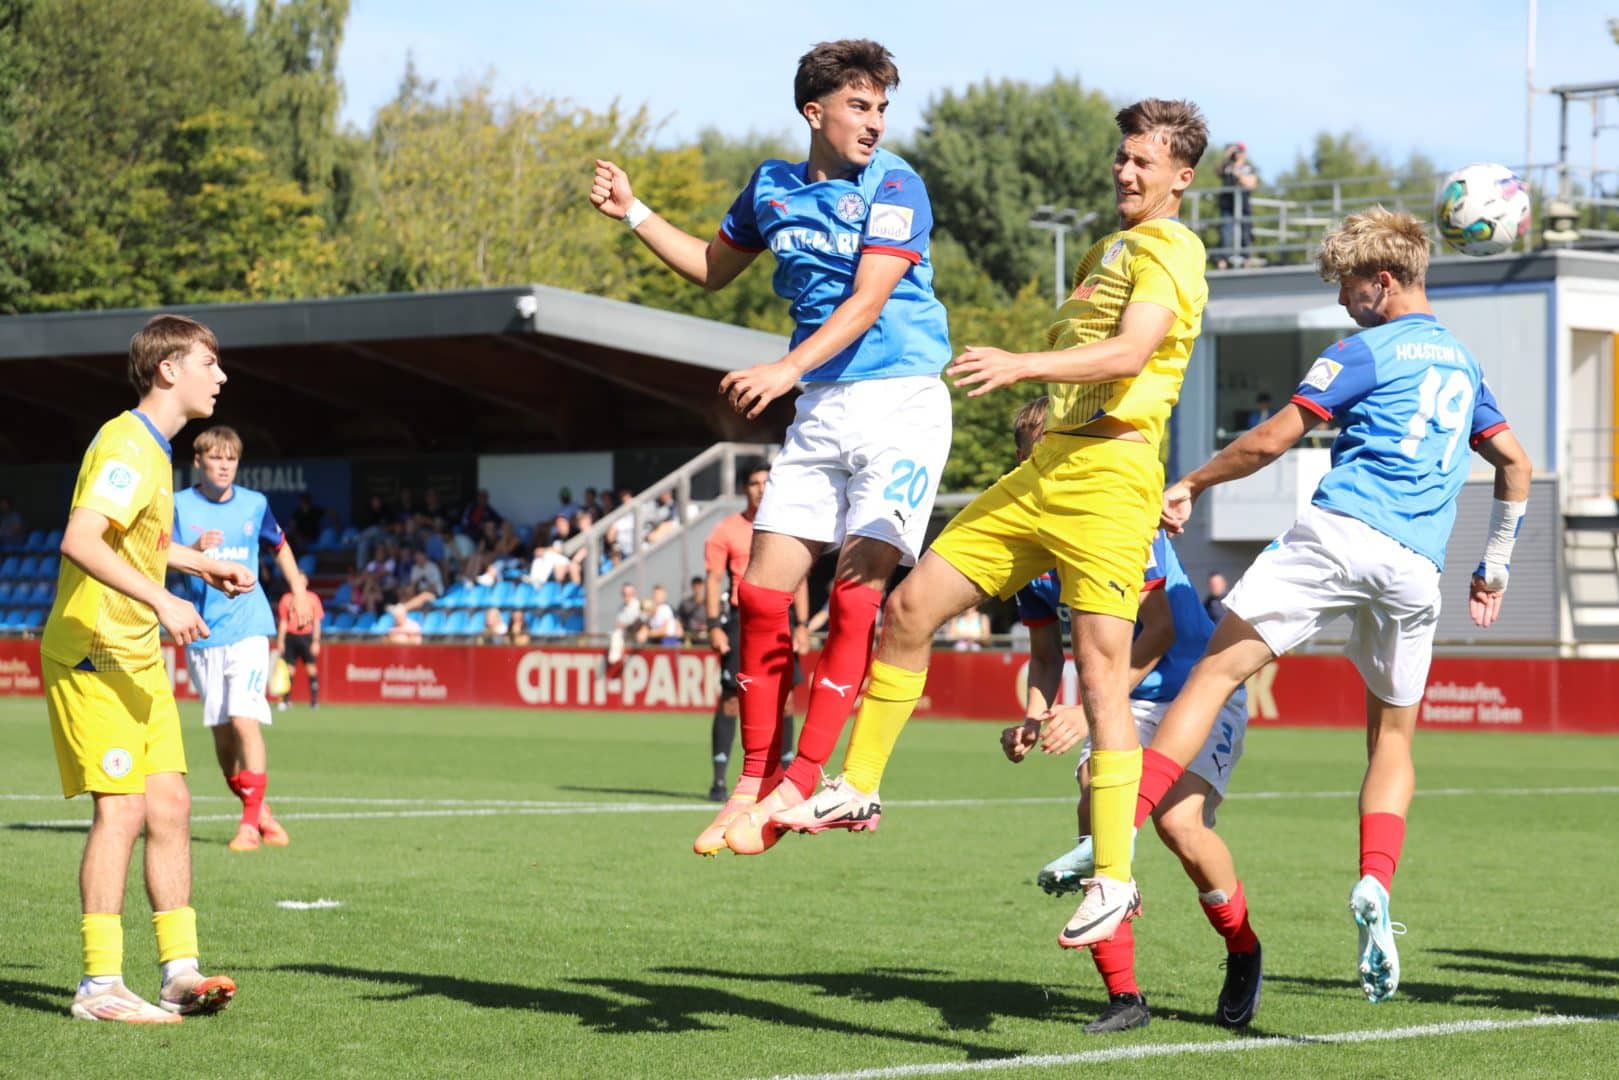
[1322, 691]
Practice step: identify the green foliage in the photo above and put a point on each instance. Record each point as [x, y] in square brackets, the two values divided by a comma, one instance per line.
[993, 153]
[294, 48]
[24, 234]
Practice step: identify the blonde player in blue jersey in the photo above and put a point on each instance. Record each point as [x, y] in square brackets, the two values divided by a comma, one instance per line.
[1087, 499]
[112, 712]
[849, 227]
[1409, 400]
[231, 666]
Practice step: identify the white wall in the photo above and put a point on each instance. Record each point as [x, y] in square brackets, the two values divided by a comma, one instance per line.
[1508, 334]
[523, 487]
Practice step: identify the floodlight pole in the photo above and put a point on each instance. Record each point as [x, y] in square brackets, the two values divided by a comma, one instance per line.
[1059, 222]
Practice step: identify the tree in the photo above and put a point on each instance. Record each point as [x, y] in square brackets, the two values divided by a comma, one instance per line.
[994, 153]
[24, 233]
[294, 47]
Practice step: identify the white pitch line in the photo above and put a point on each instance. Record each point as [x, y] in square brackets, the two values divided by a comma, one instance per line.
[447, 808]
[1235, 1046]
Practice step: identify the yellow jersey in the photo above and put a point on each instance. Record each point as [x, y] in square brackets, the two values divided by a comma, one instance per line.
[1157, 262]
[127, 474]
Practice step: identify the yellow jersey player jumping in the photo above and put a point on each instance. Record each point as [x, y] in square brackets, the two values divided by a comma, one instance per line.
[1087, 499]
[112, 711]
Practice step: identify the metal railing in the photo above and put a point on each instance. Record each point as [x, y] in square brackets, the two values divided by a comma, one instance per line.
[1284, 221]
[1591, 471]
[637, 514]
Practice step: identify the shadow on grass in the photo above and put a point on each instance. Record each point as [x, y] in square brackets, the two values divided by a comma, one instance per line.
[41, 997]
[24, 826]
[1544, 967]
[662, 793]
[638, 1007]
[1517, 996]
[962, 1004]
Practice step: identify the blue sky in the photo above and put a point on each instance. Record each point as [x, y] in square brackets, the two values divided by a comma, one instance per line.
[1444, 78]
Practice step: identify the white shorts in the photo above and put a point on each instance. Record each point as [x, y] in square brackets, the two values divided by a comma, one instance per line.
[861, 459]
[231, 679]
[1329, 565]
[1218, 758]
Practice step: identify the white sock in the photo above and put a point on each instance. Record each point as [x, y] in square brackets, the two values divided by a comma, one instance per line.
[179, 967]
[1213, 898]
[94, 984]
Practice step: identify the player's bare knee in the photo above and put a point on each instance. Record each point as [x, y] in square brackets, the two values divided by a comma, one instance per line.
[1181, 827]
[905, 617]
[121, 813]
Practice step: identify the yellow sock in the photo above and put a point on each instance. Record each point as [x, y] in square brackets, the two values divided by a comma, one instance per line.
[176, 934]
[1115, 776]
[103, 945]
[891, 697]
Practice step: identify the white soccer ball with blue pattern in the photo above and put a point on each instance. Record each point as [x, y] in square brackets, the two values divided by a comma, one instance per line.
[1483, 209]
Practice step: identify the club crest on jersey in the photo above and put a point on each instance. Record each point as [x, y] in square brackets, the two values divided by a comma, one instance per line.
[116, 483]
[117, 762]
[1113, 251]
[247, 528]
[1322, 372]
[851, 208]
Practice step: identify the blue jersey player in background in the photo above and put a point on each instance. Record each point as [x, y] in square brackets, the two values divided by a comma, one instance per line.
[231, 666]
[849, 227]
[1171, 632]
[1410, 401]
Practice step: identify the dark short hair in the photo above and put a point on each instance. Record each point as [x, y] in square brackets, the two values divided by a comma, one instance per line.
[832, 65]
[1181, 122]
[164, 337]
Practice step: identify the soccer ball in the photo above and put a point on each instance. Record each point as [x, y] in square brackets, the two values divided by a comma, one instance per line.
[1483, 209]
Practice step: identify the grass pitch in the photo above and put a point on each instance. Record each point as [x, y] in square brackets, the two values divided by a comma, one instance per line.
[518, 897]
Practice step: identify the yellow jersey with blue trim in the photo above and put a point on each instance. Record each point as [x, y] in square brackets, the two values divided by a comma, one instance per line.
[1156, 262]
[127, 475]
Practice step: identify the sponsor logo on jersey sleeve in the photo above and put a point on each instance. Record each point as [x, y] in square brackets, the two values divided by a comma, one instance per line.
[116, 483]
[889, 222]
[1322, 372]
[1114, 250]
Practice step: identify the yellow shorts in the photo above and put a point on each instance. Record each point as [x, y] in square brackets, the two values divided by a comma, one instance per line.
[112, 729]
[1088, 506]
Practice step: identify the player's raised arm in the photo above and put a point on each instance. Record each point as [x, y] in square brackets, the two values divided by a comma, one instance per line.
[84, 542]
[1250, 452]
[1046, 659]
[713, 265]
[1156, 634]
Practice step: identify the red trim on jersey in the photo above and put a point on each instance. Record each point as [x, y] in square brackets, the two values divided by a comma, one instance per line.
[1314, 406]
[728, 242]
[912, 257]
[281, 545]
[1493, 429]
[1155, 583]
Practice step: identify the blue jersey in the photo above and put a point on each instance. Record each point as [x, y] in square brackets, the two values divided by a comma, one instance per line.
[247, 522]
[818, 232]
[1039, 604]
[1403, 396]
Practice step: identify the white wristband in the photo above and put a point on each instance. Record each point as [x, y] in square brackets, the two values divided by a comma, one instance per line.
[1506, 518]
[637, 215]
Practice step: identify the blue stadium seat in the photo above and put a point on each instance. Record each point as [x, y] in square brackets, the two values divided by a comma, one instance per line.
[53, 540]
[349, 537]
[35, 541]
[14, 619]
[28, 568]
[434, 624]
[574, 621]
[501, 595]
[306, 564]
[48, 566]
[36, 619]
[548, 625]
[573, 596]
[363, 622]
[44, 592]
[482, 597]
[525, 596]
[8, 566]
[458, 596]
[5, 592]
[384, 623]
[550, 595]
[327, 541]
[344, 595]
[465, 623]
[342, 622]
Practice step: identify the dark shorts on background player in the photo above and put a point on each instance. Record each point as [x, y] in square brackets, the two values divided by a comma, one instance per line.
[299, 647]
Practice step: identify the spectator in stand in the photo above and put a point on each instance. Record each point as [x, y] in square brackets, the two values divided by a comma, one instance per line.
[587, 505]
[373, 524]
[307, 521]
[968, 631]
[1214, 601]
[631, 620]
[693, 612]
[484, 554]
[662, 625]
[405, 512]
[424, 587]
[519, 632]
[13, 530]
[1238, 179]
[664, 518]
[566, 507]
[438, 518]
[494, 628]
[477, 512]
[1261, 411]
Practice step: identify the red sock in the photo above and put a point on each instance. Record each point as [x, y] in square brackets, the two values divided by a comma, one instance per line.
[836, 679]
[252, 785]
[1158, 775]
[1115, 961]
[235, 784]
[1381, 838]
[762, 675]
[1230, 921]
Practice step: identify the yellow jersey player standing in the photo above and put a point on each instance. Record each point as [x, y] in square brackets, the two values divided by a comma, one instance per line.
[1086, 499]
[112, 711]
